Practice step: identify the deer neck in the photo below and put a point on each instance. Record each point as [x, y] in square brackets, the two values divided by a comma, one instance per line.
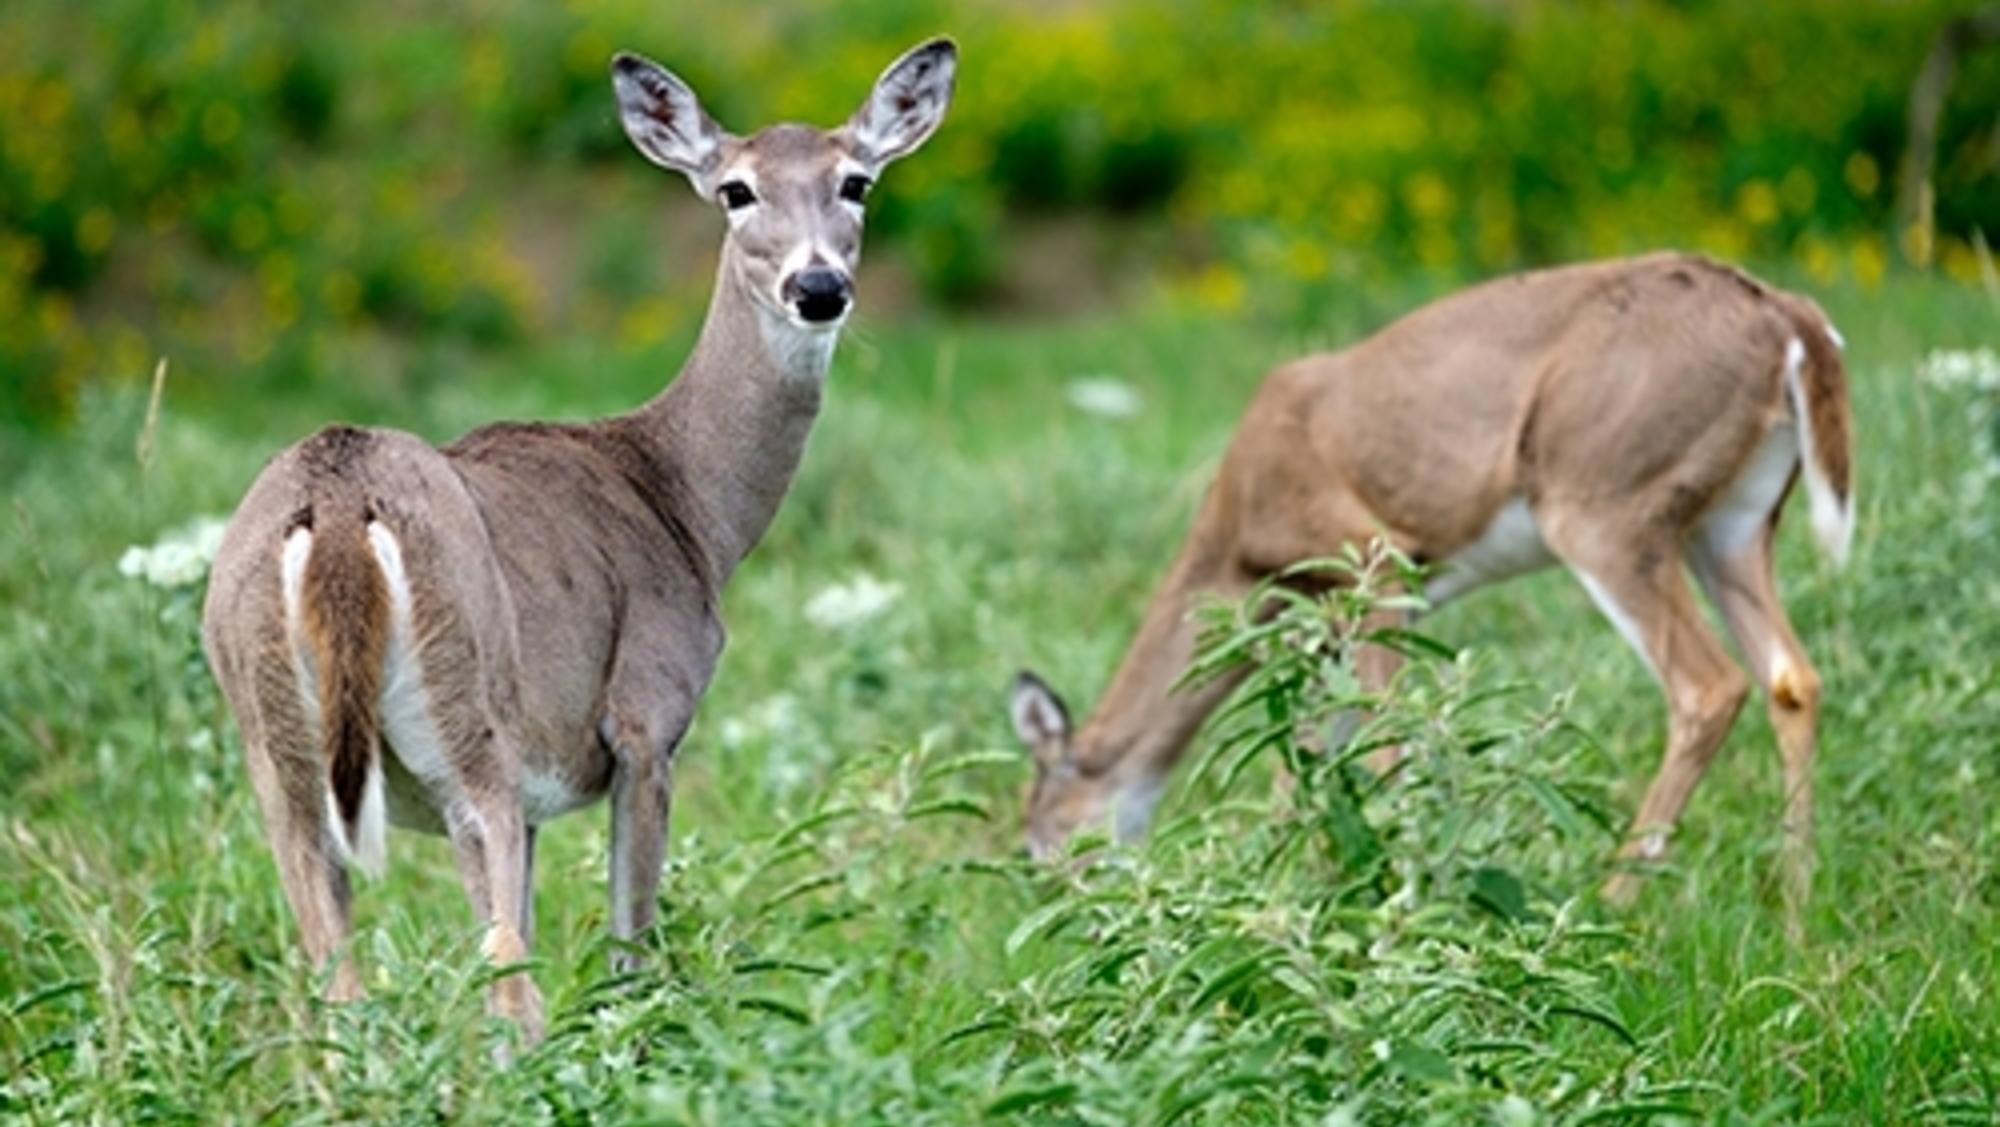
[1143, 722]
[734, 422]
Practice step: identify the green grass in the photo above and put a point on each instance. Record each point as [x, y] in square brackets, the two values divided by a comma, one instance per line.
[150, 968]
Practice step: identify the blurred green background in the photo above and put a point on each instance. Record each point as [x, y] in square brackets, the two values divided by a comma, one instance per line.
[279, 193]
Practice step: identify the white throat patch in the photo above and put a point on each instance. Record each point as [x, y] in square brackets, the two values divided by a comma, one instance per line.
[801, 352]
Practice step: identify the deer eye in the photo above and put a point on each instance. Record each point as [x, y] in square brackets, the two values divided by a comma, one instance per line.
[736, 195]
[854, 189]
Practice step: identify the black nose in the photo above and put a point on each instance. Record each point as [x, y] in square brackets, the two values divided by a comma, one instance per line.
[819, 293]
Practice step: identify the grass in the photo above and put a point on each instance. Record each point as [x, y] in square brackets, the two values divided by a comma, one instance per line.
[843, 897]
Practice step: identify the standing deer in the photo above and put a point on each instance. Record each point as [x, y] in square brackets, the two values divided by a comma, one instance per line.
[474, 639]
[1619, 417]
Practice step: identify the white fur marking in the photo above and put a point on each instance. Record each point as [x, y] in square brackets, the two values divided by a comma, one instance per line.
[1510, 545]
[1745, 507]
[1832, 515]
[802, 352]
[1781, 668]
[1653, 846]
[841, 172]
[292, 573]
[292, 577]
[1627, 627]
[405, 709]
[545, 797]
[1132, 806]
[1833, 335]
[737, 216]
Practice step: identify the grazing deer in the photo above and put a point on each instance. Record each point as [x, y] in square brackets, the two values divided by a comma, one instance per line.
[474, 639]
[1619, 417]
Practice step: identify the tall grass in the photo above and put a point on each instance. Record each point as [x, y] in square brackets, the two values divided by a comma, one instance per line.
[846, 934]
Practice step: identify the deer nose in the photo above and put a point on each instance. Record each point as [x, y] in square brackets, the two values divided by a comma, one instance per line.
[819, 293]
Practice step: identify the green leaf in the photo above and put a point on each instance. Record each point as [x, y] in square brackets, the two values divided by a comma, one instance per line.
[776, 1008]
[955, 806]
[1048, 917]
[1230, 977]
[1500, 892]
[1040, 1095]
[1416, 1061]
[1560, 809]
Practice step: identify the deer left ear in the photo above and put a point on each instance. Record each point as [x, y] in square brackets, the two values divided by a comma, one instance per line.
[907, 103]
[1040, 718]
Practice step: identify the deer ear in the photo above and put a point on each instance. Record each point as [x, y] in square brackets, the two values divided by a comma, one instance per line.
[1040, 719]
[907, 103]
[662, 117]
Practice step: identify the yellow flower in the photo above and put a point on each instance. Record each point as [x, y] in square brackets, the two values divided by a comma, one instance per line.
[1862, 175]
[1757, 203]
[95, 229]
[1871, 261]
[342, 293]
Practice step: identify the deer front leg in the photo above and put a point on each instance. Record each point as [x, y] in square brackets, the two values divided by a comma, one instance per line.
[1376, 666]
[641, 798]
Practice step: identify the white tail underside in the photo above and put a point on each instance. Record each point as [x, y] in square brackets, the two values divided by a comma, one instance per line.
[367, 849]
[1832, 515]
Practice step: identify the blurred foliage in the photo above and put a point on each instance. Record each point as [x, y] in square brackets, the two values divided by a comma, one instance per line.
[243, 184]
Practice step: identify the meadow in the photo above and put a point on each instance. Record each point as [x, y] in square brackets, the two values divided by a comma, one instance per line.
[848, 932]
[423, 216]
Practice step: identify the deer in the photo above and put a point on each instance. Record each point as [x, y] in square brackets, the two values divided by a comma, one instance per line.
[473, 639]
[1621, 418]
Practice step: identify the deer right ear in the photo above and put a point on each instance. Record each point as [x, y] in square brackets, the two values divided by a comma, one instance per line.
[662, 117]
[1040, 719]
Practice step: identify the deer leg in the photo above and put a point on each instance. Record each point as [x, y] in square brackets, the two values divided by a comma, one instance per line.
[1376, 665]
[287, 774]
[503, 845]
[469, 761]
[527, 925]
[489, 838]
[1744, 589]
[641, 799]
[315, 885]
[1653, 608]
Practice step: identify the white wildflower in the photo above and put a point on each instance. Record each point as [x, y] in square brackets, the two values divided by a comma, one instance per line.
[772, 719]
[1513, 1111]
[180, 558]
[1104, 397]
[1951, 370]
[852, 603]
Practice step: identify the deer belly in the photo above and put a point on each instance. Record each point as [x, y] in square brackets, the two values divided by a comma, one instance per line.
[550, 793]
[1510, 545]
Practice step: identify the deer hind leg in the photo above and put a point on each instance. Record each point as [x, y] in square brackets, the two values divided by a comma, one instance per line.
[1646, 597]
[492, 842]
[467, 761]
[1739, 581]
[289, 778]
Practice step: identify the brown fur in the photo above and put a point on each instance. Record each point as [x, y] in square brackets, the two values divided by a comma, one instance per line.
[563, 579]
[345, 615]
[1619, 399]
